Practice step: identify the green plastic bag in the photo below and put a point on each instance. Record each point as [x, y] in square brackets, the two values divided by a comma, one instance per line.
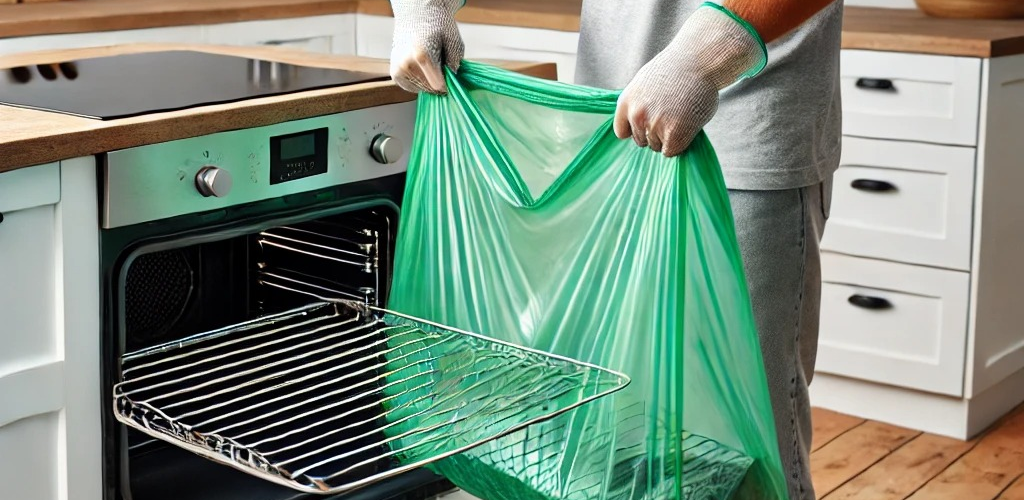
[528, 221]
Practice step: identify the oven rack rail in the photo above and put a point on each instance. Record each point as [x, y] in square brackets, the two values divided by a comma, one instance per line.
[338, 395]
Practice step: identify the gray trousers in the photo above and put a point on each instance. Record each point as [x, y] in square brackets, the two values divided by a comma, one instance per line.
[779, 234]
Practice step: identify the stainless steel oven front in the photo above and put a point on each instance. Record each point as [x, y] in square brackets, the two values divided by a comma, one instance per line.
[217, 230]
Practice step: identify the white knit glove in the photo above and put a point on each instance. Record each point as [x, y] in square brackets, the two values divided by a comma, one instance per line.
[675, 94]
[426, 36]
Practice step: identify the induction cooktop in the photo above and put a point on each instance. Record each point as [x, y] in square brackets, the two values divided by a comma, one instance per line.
[121, 86]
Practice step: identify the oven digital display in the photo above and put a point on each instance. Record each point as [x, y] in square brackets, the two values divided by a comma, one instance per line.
[296, 156]
[298, 146]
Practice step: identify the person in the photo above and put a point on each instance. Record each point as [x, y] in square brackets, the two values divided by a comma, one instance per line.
[761, 78]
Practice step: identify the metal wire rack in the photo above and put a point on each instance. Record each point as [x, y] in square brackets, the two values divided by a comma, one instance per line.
[337, 395]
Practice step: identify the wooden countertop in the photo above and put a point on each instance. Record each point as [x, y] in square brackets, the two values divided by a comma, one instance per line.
[907, 30]
[902, 30]
[29, 137]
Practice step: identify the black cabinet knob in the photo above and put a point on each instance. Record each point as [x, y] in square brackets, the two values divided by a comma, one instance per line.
[872, 185]
[875, 84]
[868, 302]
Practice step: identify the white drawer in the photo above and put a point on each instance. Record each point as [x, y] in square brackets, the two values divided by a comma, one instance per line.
[931, 98]
[894, 324]
[901, 201]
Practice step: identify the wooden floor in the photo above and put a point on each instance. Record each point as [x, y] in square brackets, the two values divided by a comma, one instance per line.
[865, 460]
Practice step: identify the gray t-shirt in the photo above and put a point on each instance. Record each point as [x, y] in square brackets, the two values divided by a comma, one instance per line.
[779, 130]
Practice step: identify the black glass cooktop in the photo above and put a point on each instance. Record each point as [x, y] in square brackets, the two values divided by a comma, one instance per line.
[120, 86]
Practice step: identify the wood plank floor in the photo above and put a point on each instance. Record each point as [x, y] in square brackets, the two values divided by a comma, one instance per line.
[856, 459]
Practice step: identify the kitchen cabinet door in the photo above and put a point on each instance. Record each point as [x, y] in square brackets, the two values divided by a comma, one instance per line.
[28, 239]
[31, 385]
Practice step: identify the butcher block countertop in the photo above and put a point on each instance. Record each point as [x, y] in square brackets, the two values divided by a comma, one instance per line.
[30, 137]
[901, 30]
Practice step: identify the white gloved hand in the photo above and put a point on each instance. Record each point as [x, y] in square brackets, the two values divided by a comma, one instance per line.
[425, 37]
[675, 94]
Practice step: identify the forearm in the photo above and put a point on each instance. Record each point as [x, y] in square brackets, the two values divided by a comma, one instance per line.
[774, 18]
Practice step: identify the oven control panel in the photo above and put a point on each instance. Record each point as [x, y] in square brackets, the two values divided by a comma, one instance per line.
[210, 172]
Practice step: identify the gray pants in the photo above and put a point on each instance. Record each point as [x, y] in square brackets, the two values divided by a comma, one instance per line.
[779, 234]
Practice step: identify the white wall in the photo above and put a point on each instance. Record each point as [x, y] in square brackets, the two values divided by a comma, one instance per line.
[898, 4]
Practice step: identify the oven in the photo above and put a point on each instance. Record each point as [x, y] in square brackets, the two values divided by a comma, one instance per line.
[208, 232]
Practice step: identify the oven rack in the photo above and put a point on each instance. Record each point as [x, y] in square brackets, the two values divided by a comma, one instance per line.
[338, 395]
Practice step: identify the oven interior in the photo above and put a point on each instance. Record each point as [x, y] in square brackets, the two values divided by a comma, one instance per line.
[177, 292]
[181, 288]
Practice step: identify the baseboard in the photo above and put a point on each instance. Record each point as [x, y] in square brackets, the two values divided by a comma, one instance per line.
[932, 413]
[985, 408]
[943, 415]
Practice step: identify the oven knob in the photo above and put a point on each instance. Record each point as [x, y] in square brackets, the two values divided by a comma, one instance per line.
[213, 181]
[385, 149]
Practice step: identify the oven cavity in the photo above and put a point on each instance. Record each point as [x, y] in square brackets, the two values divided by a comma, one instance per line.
[324, 259]
[270, 352]
[174, 293]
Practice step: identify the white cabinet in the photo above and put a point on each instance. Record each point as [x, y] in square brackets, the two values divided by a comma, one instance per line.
[30, 358]
[347, 34]
[374, 34]
[49, 333]
[29, 463]
[334, 34]
[926, 215]
[171, 34]
[329, 34]
[27, 269]
[522, 44]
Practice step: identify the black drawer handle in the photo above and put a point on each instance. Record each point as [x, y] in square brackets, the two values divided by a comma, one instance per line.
[875, 84]
[872, 185]
[1, 217]
[868, 302]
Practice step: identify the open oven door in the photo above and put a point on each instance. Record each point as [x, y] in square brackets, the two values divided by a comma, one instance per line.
[338, 395]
